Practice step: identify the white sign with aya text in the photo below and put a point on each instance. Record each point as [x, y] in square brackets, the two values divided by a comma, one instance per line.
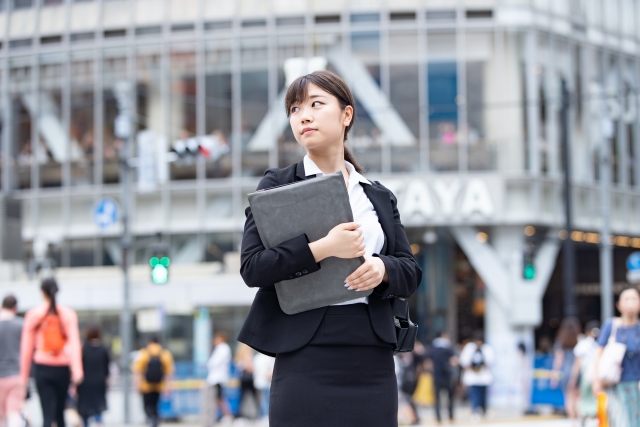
[456, 198]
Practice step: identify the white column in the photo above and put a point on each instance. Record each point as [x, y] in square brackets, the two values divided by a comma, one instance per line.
[513, 305]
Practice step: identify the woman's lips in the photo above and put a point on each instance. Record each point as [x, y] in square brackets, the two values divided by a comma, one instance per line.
[308, 131]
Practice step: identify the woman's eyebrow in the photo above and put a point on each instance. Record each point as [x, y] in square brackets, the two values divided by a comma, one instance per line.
[316, 96]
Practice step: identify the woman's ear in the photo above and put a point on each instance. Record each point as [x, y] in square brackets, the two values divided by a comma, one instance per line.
[347, 115]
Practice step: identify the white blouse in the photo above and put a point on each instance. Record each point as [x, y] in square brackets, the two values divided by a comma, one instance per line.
[363, 212]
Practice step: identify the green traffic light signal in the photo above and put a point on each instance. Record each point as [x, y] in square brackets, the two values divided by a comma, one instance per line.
[159, 269]
[529, 272]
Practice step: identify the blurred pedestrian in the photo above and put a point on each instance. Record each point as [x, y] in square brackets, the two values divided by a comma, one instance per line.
[476, 358]
[92, 393]
[582, 373]
[262, 374]
[12, 390]
[219, 367]
[244, 367]
[51, 339]
[624, 397]
[334, 364]
[443, 359]
[153, 369]
[563, 359]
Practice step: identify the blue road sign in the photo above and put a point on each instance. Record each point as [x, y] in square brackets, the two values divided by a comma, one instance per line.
[105, 213]
[633, 262]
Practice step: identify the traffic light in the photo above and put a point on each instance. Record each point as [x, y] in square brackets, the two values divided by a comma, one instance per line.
[159, 269]
[528, 267]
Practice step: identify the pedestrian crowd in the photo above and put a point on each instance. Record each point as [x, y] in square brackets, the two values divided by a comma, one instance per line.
[70, 376]
[601, 362]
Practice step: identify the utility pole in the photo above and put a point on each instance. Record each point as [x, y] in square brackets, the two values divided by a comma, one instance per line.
[123, 127]
[606, 251]
[568, 249]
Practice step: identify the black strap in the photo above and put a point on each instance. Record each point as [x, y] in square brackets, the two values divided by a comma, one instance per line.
[400, 307]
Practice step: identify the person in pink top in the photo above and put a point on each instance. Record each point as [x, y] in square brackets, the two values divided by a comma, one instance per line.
[51, 339]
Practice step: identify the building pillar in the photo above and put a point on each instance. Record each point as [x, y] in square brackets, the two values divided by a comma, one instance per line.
[513, 305]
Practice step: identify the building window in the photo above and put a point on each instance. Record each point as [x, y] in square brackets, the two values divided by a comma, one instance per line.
[22, 4]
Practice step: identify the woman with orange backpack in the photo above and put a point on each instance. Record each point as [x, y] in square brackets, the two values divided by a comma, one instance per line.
[51, 339]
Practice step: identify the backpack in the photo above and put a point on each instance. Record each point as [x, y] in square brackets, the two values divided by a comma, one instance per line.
[155, 372]
[477, 360]
[55, 339]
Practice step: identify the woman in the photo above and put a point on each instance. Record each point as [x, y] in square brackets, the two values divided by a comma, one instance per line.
[623, 398]
[563, 360]
[582, 373]
[92, 400]
[334, 365]
[51, 339]
[244, 366]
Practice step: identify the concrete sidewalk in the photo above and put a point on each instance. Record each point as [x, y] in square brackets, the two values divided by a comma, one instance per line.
[496, 417]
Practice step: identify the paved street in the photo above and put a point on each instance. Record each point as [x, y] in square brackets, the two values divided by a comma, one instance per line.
[496, 417]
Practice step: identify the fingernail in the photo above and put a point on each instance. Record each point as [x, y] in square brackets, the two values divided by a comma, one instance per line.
[350, 288]
[357, 290]
[346, 281]
[346, 285]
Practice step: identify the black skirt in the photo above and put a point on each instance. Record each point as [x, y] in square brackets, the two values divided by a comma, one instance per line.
[344, 377]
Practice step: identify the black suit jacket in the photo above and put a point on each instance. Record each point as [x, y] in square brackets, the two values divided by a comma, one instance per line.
[267, 328]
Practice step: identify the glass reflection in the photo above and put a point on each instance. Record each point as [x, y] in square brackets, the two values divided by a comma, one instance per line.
[52, 137]
[20, 91]
[182, 114]
[81, 132]
[114, 80]
[218, 109]
[254, 100]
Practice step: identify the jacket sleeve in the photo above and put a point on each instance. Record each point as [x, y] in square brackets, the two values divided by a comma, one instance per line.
[262, 267]
[402, 268]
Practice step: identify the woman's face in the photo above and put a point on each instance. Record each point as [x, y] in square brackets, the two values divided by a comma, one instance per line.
[629, 302]
[319, 121]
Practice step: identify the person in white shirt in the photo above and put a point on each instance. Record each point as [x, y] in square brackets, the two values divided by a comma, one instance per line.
[219, 367]
[582, 372]
[476, 359]
[262, 373]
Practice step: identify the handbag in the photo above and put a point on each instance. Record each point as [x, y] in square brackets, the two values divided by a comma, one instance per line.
[406, 330]
[610, 364]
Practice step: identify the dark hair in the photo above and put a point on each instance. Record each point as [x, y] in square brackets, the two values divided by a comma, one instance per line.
[9, 302]
[478, 336]
[93, 333]
[154, 339]
[333, 84]
[591, 325]
[50, 289]
[628, 288]
[569, 332]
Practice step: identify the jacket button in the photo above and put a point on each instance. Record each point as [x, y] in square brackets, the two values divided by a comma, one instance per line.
[298, 274]
[391, 296]
[305, 271]
[290, 276]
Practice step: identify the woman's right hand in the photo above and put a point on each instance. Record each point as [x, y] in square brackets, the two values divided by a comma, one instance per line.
[343, 241]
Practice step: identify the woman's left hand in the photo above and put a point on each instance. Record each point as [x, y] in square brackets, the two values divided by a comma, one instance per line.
[367, 276]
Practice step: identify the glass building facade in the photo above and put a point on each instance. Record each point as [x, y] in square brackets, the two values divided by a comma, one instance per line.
[446, 90]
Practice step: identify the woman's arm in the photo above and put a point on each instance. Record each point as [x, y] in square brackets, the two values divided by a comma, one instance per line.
[262, 267]
[402, 270]
[596, 384]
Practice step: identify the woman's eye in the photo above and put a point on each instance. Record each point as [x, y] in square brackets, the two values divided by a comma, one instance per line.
[316, 103]
[294, 109]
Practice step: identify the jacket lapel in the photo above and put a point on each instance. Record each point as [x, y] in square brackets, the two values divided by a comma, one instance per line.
[379, 199]
[382, 203]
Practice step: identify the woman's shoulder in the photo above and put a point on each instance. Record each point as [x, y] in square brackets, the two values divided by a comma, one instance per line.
[278, 176]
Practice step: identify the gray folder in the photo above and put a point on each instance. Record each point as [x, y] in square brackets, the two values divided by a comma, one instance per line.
[314, 207]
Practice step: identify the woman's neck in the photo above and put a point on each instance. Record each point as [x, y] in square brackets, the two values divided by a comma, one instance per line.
[330, 161]
[629, 319]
